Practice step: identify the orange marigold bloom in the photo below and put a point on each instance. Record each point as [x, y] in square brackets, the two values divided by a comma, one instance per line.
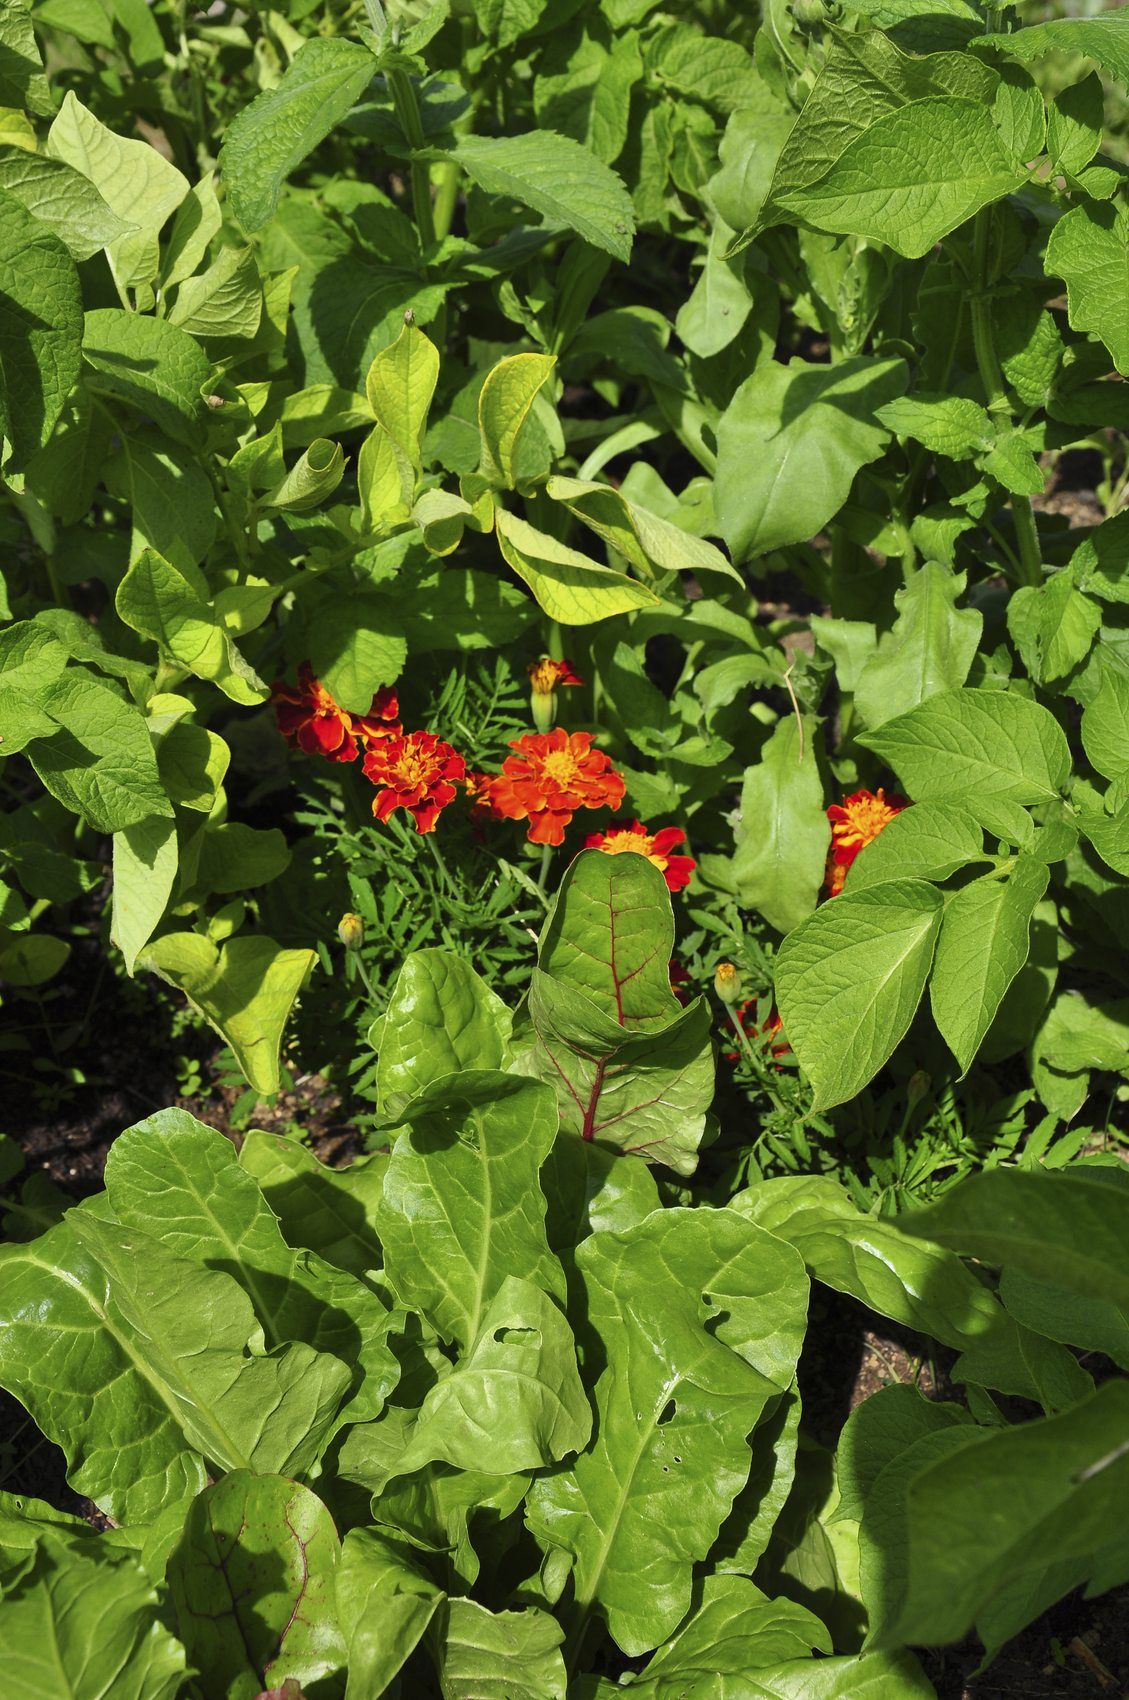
[417, 772]
[656, 846]
[550, 776]
[548, 675]
[310, 720]
[855, 821]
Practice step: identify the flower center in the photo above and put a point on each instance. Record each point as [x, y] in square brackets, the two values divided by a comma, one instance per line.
[615, 843]
[865, 821]
[560, 766]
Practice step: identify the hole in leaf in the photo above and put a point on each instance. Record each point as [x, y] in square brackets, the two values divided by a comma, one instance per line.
[666, 1413]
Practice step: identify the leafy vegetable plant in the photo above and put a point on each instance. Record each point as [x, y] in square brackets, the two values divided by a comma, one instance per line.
[492, 1410]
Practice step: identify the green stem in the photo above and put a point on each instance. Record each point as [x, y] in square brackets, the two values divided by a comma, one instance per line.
[742, 1037]
[406, 102]
[543, 871]
[1027, 536]
[446, 197]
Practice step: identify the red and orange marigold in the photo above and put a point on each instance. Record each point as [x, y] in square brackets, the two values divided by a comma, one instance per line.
[549, 776]
[310, 720]
[656, 846]
[769, 1033]
[417, 772]
[855, 821]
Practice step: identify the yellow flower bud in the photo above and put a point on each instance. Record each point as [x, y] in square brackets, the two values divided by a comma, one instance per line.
[727, 983]
[351, 931]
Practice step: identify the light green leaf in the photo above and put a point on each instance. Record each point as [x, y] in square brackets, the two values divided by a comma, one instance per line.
[734, 1633]
[330, 1211]
[914, 176]
[930, 649]
[559, 179]
[22, 82]
[100, 762]
[570, 587]
[462, 1208]
[170, 606]
[783, 834]
[504, 404]
[145, 863]
[1104, 39]
[929, 841]
[849, 980]
[649, 542]
[61, 198]
[192, 763]
[400, 384]
[271, 137]
[442, 518]
[790, 443]
[314, 476]
[153, 367]
[384, 1605]
[171, 500]
[700, 1317]
[252, 1582]
[1053, 626]
[1089, 248]
[41, 331]
[588, 95]
[355, 647]
[985, 938]
[950, 425]
[198, 219]
[506, 1655]
[1105, 726]
[244, 988]
[441, 1018]
[226, 300]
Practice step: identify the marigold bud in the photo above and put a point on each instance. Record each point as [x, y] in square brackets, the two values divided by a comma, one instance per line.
[727, 983]
[917, 1086]
[351, 931]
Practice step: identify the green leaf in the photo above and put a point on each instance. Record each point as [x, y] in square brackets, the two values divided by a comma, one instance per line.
[171, 606]
[330, 1211]
[985, 938]
[584, 90]
[914, 176]
[504, 404]
[441, 1018]
[192, 763]
[75, 1617]
[140, 1365]
[930, 841]
[462, 1208]
[145, 864]
[917, 1284]
[1053, 626]
[1105, 726]
[100, 762]
[1103, 39]
[153, 367]
[849, 980]
[314, 476]
[1050, 1309]
[783, 835]
[244, 988]
[790, 443]
[400, 384]
[355, 647]
[22, 82]
[226, 300]
[41, 331]
[252, 1582]
[1074, 124]
[559, 179]
[1089, 248]
[721, 300]
[506, 1655]
[930, 649]
[170, 497]
[735, 1632]
[700, 1317]
[649, 542]
[62, 199]
[271, 137]
[1002, 1528]
[384, 1606]
[570, 587]
[198, 219]
[979, 748]
[1070, 1229]
[514, 1400]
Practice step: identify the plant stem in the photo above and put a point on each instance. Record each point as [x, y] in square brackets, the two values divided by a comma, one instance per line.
[742, 1037]
[446, 197]
[543, 871]
[406, 101]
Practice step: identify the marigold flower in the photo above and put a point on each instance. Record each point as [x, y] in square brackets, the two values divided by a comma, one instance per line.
[656, 846]
[417, 772]
[550, 776]
[727, 983]
[545, 678]
[855, 822]
[770, 1032]
[310, 720]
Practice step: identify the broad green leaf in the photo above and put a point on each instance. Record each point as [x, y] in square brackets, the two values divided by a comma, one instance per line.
[862, 1676]
[649, 542]
[153, 367]
[587, 94]
[559, 179]
[790, 443]
[442, 518]
[41, 331]
[849, 980]
[930, 841]
[441, 1017]
[706, 67]
[462, 1208]
[173, 1176]
[140, 1365]
[590, 1188]
[700, 1317]
[31, 959]
[921, 1286]
[384, 1605]
[226, 300]
[732, 1635]
[570, 587]
[145, 863]
[236, 857]
[1074, 124]
[314, 476]
[913, 176]
[721, 300]
[879, 1430]
[22, 82]
[1101, 38]
[984, 941]
[1105, 726]
[357, 644]
[244, 988]
[61, 198]
[506, 1655]
[951, 425]
[192, 763]
[610, 935]
[400, 384]
[1089, 248]
[80, 1615]
[748, 153]
[1053, 626]
[252, 1583]
[171, 606]
[930, 649]
[330, 1211]
[273, 135]
[198, 219]
[514, 1400]
[172, 504]
[504, 404]
[979, 748]
[1051, 1309]
[1007, 1524]
[100, 762]
[1071, 1229]
[783, 836]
